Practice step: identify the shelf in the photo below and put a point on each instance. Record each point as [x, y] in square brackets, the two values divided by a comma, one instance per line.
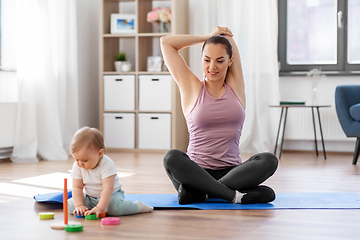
[137, 111]
[153, 73]
[123, 35]
[130, 35]
[138, 47]
[153, 34]
[118, 73]
[134, 73]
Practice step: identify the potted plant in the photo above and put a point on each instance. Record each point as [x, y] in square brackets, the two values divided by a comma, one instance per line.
[120, 58]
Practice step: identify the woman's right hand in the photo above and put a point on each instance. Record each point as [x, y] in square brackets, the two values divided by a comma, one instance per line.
[80, 210]
[221, 31]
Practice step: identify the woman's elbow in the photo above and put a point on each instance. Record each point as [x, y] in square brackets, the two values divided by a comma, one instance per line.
[163, 40]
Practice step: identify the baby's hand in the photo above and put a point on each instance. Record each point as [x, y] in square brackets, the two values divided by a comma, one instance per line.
[80, 210]
[95, 210]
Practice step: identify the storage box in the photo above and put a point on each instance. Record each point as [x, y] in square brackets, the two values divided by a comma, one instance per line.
[155, 92]
[154, 131]
[119, 92]
[119, 130]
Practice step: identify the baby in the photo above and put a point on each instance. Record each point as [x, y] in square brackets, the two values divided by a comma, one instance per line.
[96, 186]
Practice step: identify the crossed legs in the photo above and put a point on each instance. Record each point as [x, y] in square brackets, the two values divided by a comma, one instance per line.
[190, 179]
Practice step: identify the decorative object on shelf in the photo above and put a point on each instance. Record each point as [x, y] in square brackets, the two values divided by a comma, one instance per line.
[160, 16]
[315, 75]
[123, 23]
[120, 60]
[154, 64]
[126, 66]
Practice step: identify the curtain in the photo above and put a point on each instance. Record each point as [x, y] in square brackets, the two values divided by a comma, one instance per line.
[254, 25]
[46, 56]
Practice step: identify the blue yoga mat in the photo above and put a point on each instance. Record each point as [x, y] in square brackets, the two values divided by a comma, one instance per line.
[51, 197]
[282, 201]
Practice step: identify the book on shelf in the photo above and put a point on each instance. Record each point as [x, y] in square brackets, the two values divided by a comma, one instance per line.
[292, 102]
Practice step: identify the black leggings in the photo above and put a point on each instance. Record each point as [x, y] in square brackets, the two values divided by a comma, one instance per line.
[219, 183]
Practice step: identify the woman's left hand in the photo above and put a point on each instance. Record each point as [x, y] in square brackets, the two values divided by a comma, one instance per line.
[221, 31]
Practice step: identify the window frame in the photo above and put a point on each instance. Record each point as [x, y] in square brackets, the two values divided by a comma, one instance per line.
[342, 66]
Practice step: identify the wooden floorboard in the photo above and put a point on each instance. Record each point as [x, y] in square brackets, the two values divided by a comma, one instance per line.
[143, 173]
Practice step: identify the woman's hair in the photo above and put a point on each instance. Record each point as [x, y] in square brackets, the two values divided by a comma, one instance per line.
[218, 39]
[88, 138]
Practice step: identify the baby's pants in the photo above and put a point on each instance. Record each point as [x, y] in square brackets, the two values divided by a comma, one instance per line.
[116, 207]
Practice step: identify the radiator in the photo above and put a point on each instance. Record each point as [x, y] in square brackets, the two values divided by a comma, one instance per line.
[299, 124]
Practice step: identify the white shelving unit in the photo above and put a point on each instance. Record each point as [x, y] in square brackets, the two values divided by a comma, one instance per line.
[139, 110]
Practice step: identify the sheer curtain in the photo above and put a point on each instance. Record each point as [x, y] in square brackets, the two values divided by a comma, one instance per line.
[46, 46]
[254, 25]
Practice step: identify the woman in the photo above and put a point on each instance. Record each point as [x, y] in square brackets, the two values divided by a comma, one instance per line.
[214, 109]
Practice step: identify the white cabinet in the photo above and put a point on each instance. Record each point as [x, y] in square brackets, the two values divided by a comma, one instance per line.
[119, 130]
[154, 131]
[119, 92]
[155, 92]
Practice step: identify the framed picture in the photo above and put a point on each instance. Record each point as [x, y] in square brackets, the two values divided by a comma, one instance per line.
[154, 64]
[123, 23]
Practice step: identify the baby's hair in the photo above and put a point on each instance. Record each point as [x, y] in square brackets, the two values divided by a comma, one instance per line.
[89, 138]
[218, 39]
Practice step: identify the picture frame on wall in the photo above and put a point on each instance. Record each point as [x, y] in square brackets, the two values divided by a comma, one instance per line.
[123, 23]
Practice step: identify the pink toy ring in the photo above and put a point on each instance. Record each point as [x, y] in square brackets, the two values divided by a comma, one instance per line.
[110, 221]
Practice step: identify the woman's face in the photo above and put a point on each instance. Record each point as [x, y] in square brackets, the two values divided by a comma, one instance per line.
[215, 61]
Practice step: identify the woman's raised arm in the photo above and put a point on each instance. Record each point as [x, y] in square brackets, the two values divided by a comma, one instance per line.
[187, 81]
[170, 46]
[235, 77]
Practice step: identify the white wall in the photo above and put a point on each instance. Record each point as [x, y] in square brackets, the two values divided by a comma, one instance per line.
[88, 35]
[300, 88]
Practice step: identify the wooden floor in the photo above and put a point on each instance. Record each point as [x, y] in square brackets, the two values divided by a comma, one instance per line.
[143, 173]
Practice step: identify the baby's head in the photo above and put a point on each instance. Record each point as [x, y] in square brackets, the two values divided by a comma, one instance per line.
[87, 147]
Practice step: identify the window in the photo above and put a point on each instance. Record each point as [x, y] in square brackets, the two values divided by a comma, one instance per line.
[319, 34]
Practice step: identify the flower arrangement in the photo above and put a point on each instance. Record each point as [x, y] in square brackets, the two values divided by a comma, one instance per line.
[316, 75]
[159, 15]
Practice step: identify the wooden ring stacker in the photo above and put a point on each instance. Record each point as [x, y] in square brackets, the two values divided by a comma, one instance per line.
[61, 226]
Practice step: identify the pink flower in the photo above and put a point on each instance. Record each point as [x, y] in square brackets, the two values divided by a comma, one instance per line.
[169, 17]
[159, 15]
[152, 16]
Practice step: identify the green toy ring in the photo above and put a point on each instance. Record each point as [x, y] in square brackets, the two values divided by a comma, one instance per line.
[91, 217]
[74, 228]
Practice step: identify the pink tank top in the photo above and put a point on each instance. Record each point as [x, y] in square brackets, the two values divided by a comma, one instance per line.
[215, 126]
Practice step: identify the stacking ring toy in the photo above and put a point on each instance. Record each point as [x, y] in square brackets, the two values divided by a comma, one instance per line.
[110, 221]
[102, 215]
[91, 217]
[46, 215]
[79, 216]
[73, 228]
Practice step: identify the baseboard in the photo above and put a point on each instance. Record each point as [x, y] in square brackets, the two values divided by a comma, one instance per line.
[309, 145]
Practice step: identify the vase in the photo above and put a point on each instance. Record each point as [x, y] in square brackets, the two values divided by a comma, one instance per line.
[163, 28]
[118, 65]
[126, 67]
[314, 100]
